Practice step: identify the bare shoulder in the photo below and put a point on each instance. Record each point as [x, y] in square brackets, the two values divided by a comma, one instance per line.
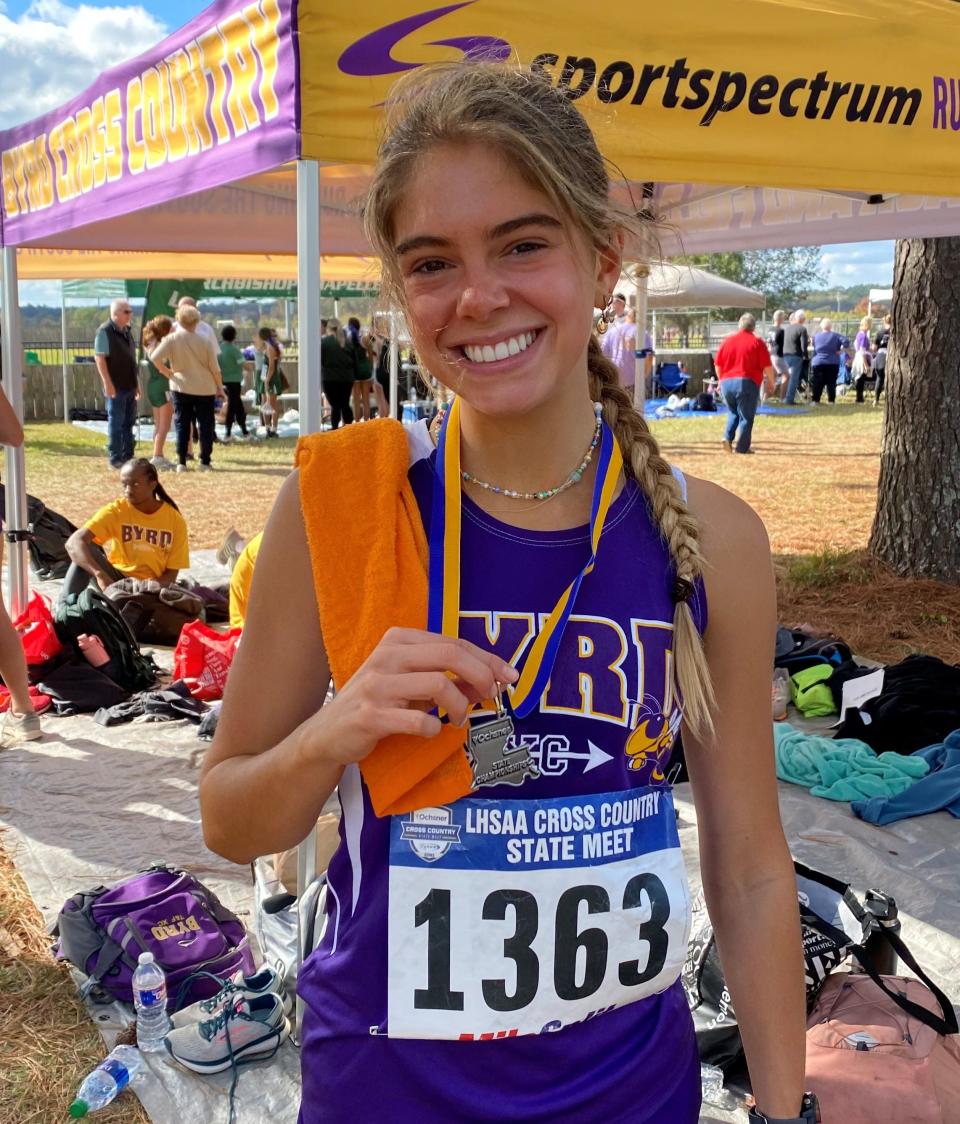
[732, 534]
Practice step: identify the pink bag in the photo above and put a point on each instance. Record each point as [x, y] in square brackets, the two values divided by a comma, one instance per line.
[883, 1049]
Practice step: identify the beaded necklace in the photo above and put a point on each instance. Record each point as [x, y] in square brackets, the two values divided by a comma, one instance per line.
[574, 478]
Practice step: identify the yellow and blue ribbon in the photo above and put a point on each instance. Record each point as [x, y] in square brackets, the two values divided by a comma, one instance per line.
[443, 614]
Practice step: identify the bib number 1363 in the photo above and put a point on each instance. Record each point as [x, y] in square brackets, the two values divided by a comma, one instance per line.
[482, 945]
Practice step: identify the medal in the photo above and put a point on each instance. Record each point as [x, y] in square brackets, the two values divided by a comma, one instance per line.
[493, 758]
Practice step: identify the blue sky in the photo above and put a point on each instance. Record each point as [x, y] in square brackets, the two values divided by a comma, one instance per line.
[52, 49]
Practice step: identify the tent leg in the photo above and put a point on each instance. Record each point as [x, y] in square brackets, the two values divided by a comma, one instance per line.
[15, 515]
[394, 366]
[640, 377]
[63, 354]
[308, 294]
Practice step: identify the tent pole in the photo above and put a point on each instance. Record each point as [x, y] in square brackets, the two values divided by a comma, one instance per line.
[640, 375]
[308, 294]
[63, 353]
[15, 515]
[394, 365]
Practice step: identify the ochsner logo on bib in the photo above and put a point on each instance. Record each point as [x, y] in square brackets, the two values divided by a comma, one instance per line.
[372, 56]
[430, 832]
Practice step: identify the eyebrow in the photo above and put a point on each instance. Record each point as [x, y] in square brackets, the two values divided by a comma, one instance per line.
[501, 230]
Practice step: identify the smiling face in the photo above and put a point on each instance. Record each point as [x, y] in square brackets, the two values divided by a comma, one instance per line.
[499, 288]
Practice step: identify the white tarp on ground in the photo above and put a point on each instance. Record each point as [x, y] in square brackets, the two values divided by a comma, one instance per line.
[92, 804]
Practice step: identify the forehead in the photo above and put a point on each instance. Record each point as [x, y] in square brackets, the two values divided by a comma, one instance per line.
[458, 189]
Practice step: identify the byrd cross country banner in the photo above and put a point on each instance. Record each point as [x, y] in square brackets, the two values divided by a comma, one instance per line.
[754, 92]
[213, 102]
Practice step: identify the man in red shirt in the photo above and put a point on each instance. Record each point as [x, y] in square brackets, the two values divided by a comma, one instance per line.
[743, 362]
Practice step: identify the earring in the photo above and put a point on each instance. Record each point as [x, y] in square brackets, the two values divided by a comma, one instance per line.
[602, 323]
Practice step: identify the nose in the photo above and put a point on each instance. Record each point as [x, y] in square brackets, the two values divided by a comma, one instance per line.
[483, 293]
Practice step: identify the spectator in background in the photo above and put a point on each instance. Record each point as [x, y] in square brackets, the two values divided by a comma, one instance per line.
[268, 378]
[619, 342]
[743, 363]
[20, 723]
[796, 343]
[880, 345]
[241, 579]
[862, 355]
[337, 371]
[189, 361]
[115, 354]
[825, 364]
[203, 329]
[356, 342]
[230, 359]
[158, 389]
[775, 347]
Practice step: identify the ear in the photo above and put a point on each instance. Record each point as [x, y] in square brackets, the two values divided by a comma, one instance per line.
[609, 268]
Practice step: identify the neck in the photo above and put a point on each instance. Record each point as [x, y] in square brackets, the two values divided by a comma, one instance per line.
[150, 506]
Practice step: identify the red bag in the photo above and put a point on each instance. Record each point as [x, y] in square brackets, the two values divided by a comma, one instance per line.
[202, 659]
[37, 633]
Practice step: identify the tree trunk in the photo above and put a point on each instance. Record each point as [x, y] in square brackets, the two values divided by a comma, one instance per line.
[916, 529]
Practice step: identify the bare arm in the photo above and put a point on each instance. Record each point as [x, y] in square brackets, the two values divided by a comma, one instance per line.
[108, 388]
[168, 577]
[272, 765]
[78, 548]
[748, 875]
[11, 431]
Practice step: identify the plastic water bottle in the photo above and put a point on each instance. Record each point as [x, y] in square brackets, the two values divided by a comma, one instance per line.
[110, 1078]
[711, 1083]
[150, 999]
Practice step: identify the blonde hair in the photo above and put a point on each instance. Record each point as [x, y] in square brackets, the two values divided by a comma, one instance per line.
[547, 141]
[866, 323]
[188, 316]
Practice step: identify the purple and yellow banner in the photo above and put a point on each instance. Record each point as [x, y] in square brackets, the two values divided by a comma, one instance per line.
[212, 103]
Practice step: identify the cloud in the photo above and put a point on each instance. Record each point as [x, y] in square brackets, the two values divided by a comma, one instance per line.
[54, 50]
[859, 263]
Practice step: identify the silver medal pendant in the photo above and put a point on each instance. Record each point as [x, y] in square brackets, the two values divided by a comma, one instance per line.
[492, 759]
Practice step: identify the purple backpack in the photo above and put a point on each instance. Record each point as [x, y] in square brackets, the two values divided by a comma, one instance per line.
[160, 910]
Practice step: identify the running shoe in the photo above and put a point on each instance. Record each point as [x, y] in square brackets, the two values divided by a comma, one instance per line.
[239, 1032]
[162, 463]
[265, 982]
[19, 728]
[181, 468]
[229, 550]
[201, 467]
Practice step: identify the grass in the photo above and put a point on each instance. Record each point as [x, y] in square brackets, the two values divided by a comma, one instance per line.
[47, 1043]
[813, 481]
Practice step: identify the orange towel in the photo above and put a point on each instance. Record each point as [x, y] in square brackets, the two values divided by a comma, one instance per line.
[364, 531]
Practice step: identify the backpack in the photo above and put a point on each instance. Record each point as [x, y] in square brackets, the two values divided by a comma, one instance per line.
[884, 1048]
[49, 531]
[91, 612]
[796, 650]
[705, 403]
[161, 910]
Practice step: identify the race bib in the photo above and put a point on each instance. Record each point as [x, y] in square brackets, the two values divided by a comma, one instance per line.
[511, 917]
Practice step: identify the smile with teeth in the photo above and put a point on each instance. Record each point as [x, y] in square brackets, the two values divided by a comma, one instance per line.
[490, 353]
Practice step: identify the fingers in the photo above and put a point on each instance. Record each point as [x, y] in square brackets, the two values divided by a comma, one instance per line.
[433, 687]
[416, 650]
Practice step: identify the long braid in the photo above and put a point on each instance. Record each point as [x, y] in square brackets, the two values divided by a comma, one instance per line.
[644, 461]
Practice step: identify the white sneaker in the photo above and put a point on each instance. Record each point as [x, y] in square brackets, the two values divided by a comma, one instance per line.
[239, 1032]
[19, 728]
[229, 550]
[204, 467]
[264, 982]
[162, 463]
[181, 468]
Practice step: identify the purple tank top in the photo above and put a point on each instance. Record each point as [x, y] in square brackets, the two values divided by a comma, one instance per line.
[505, 937]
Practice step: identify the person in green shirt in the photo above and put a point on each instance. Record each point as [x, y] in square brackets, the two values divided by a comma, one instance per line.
[231, 372]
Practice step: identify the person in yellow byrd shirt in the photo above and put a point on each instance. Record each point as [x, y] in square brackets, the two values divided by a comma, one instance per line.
[143, 535]
[240, 581]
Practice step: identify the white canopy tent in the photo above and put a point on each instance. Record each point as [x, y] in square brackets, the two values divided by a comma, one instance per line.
[671, 285]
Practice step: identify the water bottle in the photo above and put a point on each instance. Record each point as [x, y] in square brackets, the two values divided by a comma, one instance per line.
[111, 1077]
[711, 1083]
[150, 999]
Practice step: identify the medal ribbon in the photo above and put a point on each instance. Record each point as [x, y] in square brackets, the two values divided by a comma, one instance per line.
[443, 613]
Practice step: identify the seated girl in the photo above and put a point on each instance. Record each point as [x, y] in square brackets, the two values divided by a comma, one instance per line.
[142, 535]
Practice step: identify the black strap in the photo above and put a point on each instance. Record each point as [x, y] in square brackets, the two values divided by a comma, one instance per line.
[945, 1025]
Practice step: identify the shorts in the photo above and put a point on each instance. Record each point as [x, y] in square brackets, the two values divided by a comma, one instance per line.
[158, 389]
[780, 365]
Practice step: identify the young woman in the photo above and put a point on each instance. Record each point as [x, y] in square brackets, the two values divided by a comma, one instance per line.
[231, 372]
[364, 358]
[268, 381]
[513, 954]
[158, 389]
[143, 535]
[881, 345]
[20, 722]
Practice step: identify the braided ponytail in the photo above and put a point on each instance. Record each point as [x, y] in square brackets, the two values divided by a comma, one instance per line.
[645, 463]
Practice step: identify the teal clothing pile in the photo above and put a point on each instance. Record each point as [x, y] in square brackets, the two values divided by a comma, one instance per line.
[842, 768]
